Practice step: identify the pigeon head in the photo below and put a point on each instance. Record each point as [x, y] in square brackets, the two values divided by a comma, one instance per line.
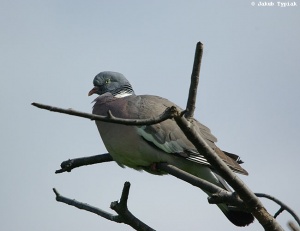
[112, 82]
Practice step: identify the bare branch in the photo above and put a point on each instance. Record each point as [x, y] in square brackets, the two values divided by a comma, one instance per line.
[88, 208]
[122, 210]
[198, 182]
[278, 212]
[282, 206]
[253, 203]
[124, 215]
[231, 199]
[167, 114]
[70, 164]
[190, 107]
[219, 195]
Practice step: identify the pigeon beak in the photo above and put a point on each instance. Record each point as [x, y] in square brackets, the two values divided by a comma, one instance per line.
[94, 90]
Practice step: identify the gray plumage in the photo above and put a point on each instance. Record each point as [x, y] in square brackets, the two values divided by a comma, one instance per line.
[139, 147]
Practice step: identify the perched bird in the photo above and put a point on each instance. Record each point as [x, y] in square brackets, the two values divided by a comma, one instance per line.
[139, 147]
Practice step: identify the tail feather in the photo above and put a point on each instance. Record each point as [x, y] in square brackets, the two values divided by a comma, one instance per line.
[239, 218]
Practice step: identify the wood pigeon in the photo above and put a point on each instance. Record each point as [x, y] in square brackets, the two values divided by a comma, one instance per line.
[139, 147]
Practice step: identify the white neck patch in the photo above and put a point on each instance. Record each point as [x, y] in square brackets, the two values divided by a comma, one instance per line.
[122, 94]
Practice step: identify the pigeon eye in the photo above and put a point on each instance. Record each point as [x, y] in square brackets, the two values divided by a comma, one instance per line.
[107, 81]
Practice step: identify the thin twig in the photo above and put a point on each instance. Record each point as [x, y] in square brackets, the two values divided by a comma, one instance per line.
[191, 102]
[87, 207]
[68, 165]
[280, 210]
[167, 114]
[282, 205]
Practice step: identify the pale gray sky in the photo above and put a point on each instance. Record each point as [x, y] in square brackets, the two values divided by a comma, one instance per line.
[248, 96]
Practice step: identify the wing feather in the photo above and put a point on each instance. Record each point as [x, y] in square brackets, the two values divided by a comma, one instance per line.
[168, 137]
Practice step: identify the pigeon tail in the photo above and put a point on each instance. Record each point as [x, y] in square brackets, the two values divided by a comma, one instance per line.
[237, 217]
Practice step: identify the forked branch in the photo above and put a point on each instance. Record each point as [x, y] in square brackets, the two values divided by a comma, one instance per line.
[283, 207]
[124, 215]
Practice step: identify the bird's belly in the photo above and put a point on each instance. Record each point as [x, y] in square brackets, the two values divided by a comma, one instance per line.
[127, 147]
[130, 149]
